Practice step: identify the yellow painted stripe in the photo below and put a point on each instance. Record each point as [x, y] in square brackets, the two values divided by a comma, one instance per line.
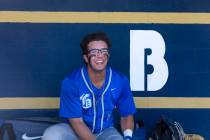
[103, 17]
[172, 102]
[141, 102]
[29, 103]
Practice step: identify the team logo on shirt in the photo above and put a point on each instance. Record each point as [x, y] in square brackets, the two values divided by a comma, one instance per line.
[86, 101]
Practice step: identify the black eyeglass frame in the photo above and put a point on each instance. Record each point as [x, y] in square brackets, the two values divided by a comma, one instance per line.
[103, 51]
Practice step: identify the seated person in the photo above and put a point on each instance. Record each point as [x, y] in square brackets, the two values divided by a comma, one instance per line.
[90, 94]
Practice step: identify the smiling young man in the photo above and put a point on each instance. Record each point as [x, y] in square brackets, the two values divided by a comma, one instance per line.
[90, 94]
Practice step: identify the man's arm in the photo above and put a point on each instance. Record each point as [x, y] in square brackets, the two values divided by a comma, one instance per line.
[81, 129]
[127, 125]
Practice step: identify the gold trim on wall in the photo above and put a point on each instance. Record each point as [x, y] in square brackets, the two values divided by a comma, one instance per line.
[104, 17]
[141, 102]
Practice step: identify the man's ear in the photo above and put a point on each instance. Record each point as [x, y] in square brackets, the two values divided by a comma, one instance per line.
[85, 58]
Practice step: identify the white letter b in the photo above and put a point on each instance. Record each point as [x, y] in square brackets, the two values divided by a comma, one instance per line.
[140, 41]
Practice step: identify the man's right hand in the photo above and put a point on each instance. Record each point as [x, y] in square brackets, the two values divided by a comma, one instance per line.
[81, 129]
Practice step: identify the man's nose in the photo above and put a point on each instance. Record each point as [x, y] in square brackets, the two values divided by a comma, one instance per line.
[99, 53]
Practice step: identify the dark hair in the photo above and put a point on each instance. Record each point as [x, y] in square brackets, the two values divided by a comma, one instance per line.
[96, 36]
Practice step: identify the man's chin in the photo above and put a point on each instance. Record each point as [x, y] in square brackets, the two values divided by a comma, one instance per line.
[99, 69]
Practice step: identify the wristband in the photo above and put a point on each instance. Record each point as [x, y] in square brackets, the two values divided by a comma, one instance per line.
[128, 134]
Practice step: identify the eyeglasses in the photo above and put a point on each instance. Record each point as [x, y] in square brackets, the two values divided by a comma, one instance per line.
[103, 51]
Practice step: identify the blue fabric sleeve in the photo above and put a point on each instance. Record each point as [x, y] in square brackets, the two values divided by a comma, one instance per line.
[125, 104]
[70, 106]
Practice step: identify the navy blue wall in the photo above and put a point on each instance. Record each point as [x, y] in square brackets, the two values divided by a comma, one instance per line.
[104, 5]
[34, 58]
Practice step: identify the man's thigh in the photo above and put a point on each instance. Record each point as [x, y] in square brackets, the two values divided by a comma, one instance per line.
[109, 134]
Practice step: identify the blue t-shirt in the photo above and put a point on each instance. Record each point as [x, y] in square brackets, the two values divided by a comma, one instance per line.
[81, 99]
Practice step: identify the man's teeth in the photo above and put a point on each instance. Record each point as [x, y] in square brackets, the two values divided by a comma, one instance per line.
[99, 61]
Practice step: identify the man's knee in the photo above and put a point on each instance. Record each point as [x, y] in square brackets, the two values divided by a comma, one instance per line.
[109, 134]
[52, 133]
[114, 137]
[59, 132]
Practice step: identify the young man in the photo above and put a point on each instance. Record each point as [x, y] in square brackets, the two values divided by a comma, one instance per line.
[90, 94]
